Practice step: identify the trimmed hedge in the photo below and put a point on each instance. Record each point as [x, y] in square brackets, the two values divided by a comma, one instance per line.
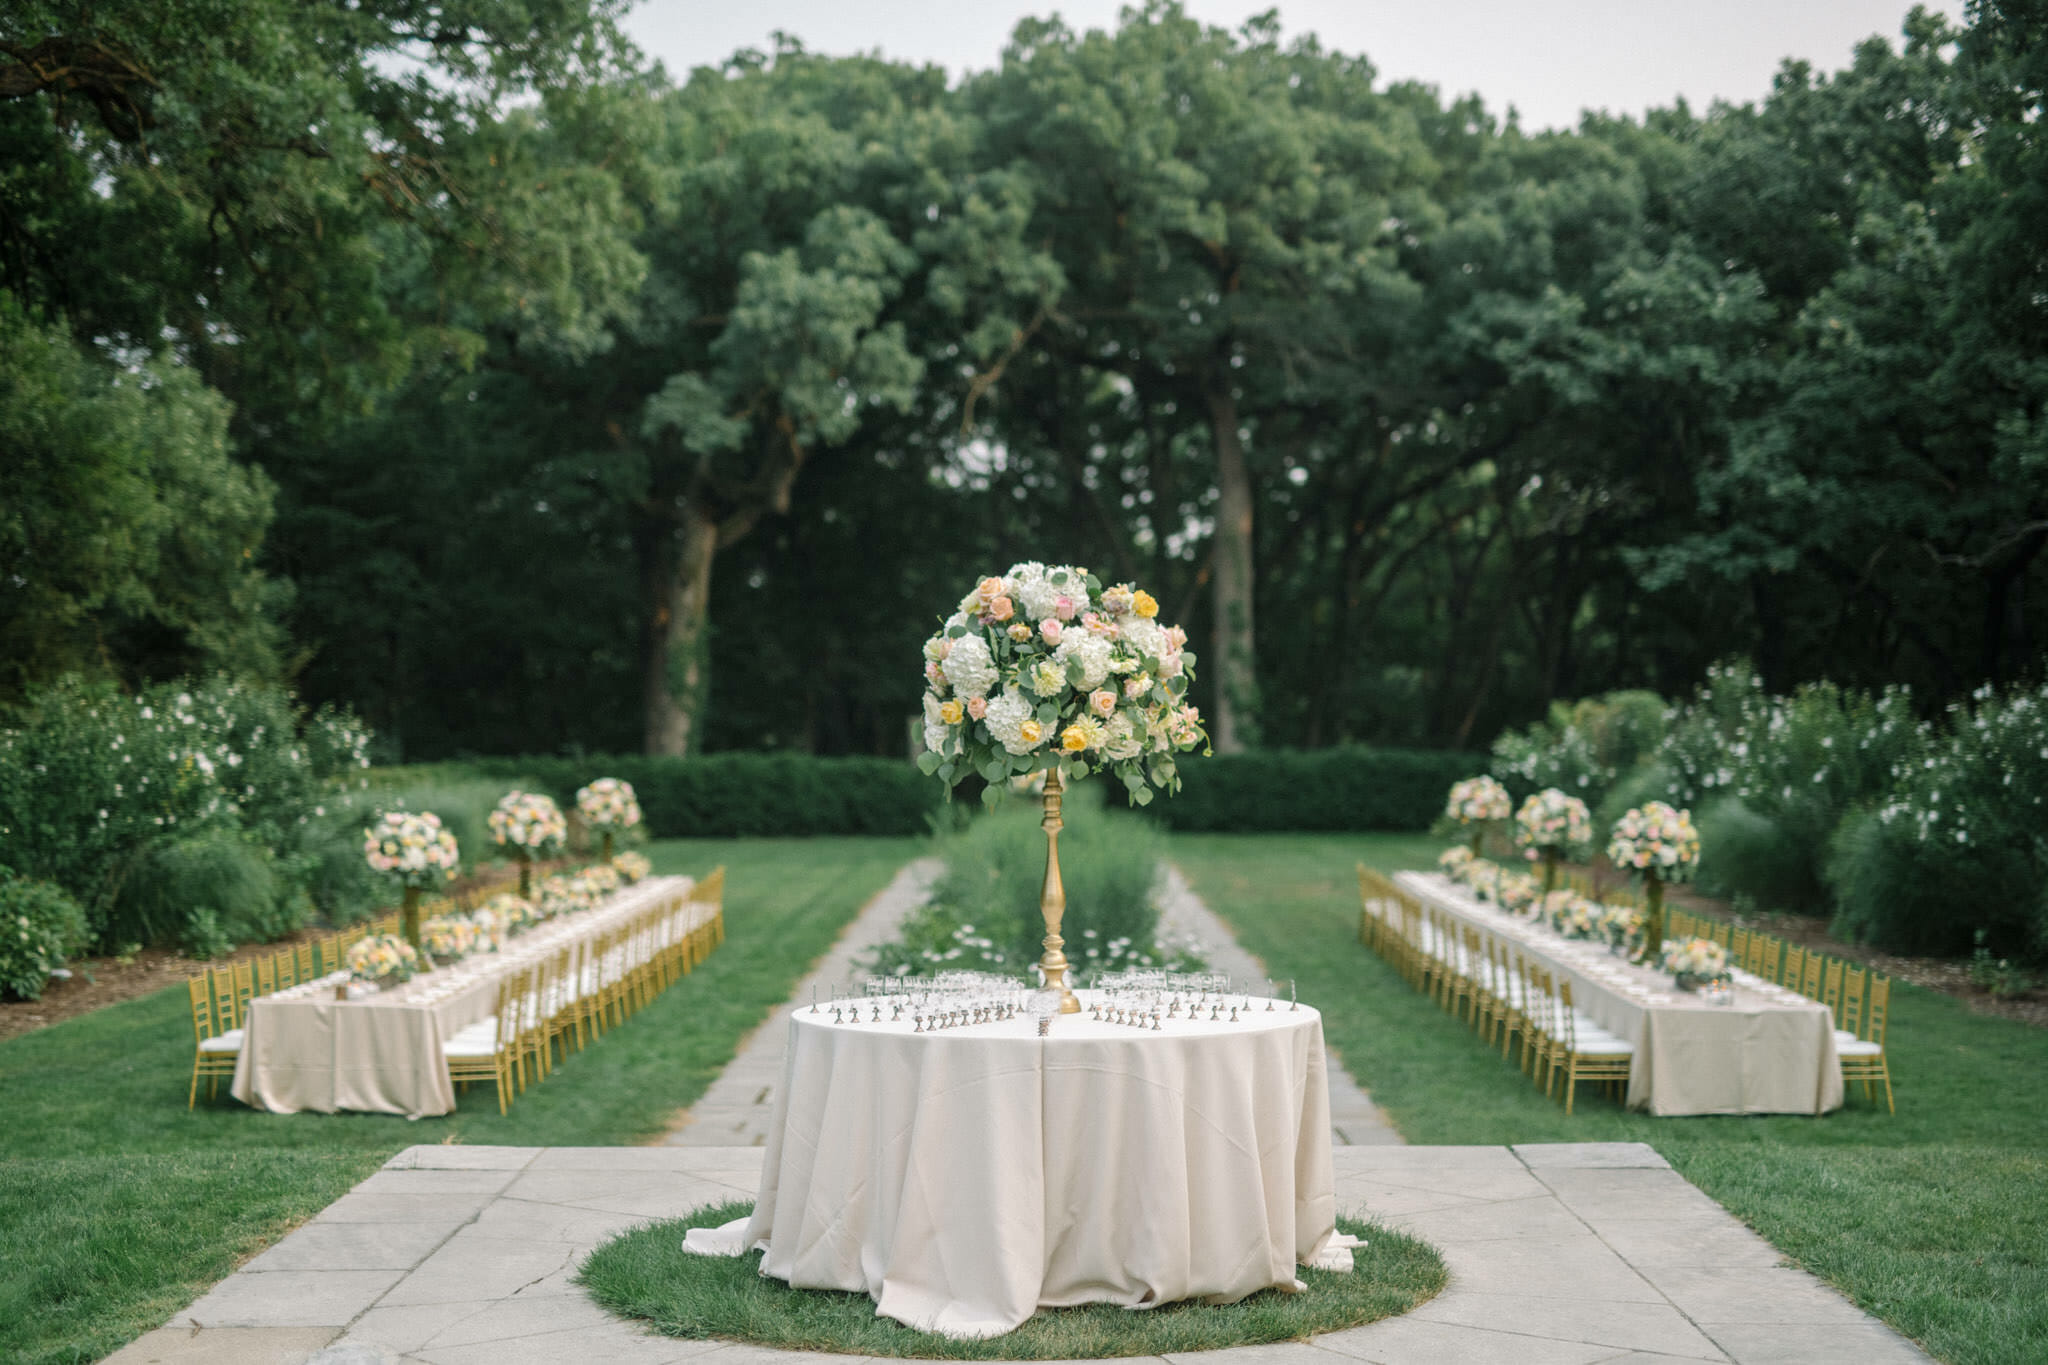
[742, 794]
[1317, 789]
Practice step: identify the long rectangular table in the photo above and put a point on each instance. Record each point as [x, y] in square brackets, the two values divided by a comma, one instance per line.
[304, 1049]
[1771, 1051]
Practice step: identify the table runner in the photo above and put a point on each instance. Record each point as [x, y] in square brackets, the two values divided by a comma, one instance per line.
[303, 1049]
[1771, 1052]
[964, 1179]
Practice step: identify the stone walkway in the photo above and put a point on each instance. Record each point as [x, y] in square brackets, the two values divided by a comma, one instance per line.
[1559, 1255]
[734, 1110]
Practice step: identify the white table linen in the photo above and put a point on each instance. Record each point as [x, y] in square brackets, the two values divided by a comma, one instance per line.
[304, 1050]
[965, 1178]
[1771, 1051]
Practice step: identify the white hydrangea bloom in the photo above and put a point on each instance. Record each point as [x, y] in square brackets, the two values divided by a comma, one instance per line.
[1094, 653]
[1006, 717]
[970, 668]
[1148, 636]
[1120, 738]
[1034, 594]
[935, 727]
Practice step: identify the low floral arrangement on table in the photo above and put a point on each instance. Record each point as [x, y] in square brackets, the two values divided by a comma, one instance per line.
[511, 912]
[1044, 666]
[632, 867]
[1695, 962]
[530, 825]
[1659, 844]
[1622, 926]
[1482, 879]
[382, 959]
[1516, 892]
[1552, 825]
[609, 806]
[1477, 803]
[448, 937]
[1453, 861]
[565, 895]
[1571, 915]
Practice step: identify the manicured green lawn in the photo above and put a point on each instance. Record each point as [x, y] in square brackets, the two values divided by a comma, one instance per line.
[1935, 1220]
[118, 1206]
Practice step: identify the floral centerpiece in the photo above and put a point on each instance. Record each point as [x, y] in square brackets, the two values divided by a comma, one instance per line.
[1550, 825]
[1572, 915]
[491, 929]
[1623, 926]
[1482, 879]
[632, 867]
[1047, 669]
[415, 849]
[1453, 861]
[530, 825]
[1516, 892]
[1476, 804]
[447, 937]
[1694, 962]
[511, 912]
[382, 959]
[609, 806]
[1659, 844]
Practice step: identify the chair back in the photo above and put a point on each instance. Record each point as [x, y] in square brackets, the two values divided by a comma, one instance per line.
[287, 968]
[1738, 947]
[227, 1001]
[202, 1007]
[1810, 974]
[1567, 1022]
[711, 889]
[245, 991]
[1719, 933]
[1851, 1015]
[266, 974]
[1831, 989]
[304, 955]
[1794, 968]
[1877, 1008]
[1763, 956]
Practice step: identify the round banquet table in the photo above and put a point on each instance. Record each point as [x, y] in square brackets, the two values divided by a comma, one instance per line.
[965, 1178]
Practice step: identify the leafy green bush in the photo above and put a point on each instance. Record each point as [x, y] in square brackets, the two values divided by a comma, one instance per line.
[94, 782]
[984, 915]
[1584, 747]
[1319, 789]
[1959, 844]
[206, 892]
[731, 795]
[40, 926]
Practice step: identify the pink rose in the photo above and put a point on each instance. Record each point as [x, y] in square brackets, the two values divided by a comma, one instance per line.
[1170, 665]
[1135, 687]
[1002, 609]
[1050, 629]
[977, 707]
[1065, 607]
[1102, 702]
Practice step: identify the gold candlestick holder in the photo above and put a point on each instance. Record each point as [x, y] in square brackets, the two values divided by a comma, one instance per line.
[1052, 898]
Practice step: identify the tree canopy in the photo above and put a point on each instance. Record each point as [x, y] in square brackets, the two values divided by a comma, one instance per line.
[459, 365]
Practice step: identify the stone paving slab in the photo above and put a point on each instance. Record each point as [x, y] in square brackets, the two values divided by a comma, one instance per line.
[1553, 1261]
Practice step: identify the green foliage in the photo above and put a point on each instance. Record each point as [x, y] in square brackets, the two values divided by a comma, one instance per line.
[206, 892]
[1584, 748]
[96, 786]
[126, 530]
[983, 913]
[40, 926]
[724, 795]
[1325, 789]
[1956, 848]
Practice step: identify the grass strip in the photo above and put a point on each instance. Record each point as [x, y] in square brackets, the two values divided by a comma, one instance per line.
[1934, 1220]
[646, 1274]
[118, 1206]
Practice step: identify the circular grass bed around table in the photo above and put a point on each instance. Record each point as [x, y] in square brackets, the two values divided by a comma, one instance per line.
[646, 1274]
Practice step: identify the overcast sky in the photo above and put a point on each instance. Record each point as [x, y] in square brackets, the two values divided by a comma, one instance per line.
[1548, 58]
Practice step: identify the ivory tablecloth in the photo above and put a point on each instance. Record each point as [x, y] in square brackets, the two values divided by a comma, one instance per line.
[965, 1178]
[303, 1049]
[1771, 1052]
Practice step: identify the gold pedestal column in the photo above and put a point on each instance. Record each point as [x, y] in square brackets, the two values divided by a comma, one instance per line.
[1052, 898]
[409, 918]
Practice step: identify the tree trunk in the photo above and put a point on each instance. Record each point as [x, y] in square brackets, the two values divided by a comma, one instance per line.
[676, 657]
[1235, 724]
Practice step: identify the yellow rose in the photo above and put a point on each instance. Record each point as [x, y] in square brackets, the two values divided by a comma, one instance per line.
[1031, 732]
[951, 712]
[1074, 740]
[1144, 604]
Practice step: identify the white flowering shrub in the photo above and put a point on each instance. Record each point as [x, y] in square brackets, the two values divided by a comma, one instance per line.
[1959, 843]
[40, 927]
[93, 782]
[1584, 747]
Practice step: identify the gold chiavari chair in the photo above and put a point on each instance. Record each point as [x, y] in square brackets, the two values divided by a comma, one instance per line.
[1463, 944]
[265, 967]
[489, 1050]
[1679, 924]
[308, 966]
[227, 1012]
[1539, 1038]
[1412, 964]
[1762, 958]
[1793, 968]
[1863, 1058]
[535, 1031]
[1491, 998]
[1514, 1013]
[286, 972]
[1737, 946]
[214, 1049]
[1585, 1052]
[245, 990]
[1720, 932]
[559, 1001]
